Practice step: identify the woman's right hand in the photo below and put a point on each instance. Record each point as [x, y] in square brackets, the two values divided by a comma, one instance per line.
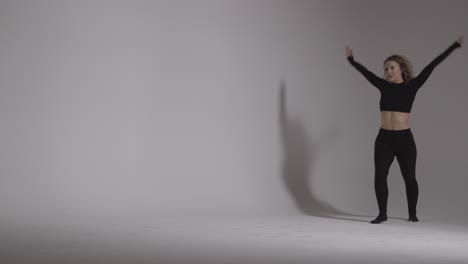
[349, 52]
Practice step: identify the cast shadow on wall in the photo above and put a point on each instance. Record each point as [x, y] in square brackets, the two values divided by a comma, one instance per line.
[299, 157]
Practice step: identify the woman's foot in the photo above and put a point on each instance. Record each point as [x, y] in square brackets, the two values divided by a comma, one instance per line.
[379, 219]
[413, 218]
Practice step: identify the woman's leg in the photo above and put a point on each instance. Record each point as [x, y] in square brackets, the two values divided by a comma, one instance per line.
[383, 158]
[406, 157]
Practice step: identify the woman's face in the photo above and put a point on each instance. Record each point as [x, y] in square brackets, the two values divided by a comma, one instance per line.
[393, 72]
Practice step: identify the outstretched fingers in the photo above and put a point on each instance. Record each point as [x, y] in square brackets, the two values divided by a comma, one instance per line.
[460, 40]
[349, 52]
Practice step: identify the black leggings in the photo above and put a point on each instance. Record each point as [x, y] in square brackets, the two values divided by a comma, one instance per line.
[388, 144]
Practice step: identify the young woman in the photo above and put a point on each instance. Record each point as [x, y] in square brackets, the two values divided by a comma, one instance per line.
[395, 139]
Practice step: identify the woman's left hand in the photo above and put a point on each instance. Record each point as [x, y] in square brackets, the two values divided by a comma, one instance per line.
[460, 40]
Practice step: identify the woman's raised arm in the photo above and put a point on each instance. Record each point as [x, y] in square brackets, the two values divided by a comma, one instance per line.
[370, 76]
[426, 72]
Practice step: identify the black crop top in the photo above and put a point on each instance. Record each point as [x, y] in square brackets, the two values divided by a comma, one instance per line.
[400, 97]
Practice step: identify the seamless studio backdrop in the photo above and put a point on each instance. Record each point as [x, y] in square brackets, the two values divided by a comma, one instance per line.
[135, 109]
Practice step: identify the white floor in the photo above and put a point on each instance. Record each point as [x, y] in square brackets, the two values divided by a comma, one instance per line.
[285, 239]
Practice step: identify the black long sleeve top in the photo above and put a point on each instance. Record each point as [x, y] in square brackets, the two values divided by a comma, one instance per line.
[400, 97]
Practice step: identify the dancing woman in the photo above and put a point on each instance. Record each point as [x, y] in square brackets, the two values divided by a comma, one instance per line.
[398, 89]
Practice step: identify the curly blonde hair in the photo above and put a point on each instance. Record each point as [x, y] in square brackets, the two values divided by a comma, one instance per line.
[405, 66]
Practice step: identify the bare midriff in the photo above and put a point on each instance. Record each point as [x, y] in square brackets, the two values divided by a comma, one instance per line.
[394, 120]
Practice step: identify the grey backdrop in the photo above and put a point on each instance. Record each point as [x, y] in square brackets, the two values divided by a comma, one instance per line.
[142, 108]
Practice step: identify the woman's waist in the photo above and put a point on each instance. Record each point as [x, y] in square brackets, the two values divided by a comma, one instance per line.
[394, 120]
